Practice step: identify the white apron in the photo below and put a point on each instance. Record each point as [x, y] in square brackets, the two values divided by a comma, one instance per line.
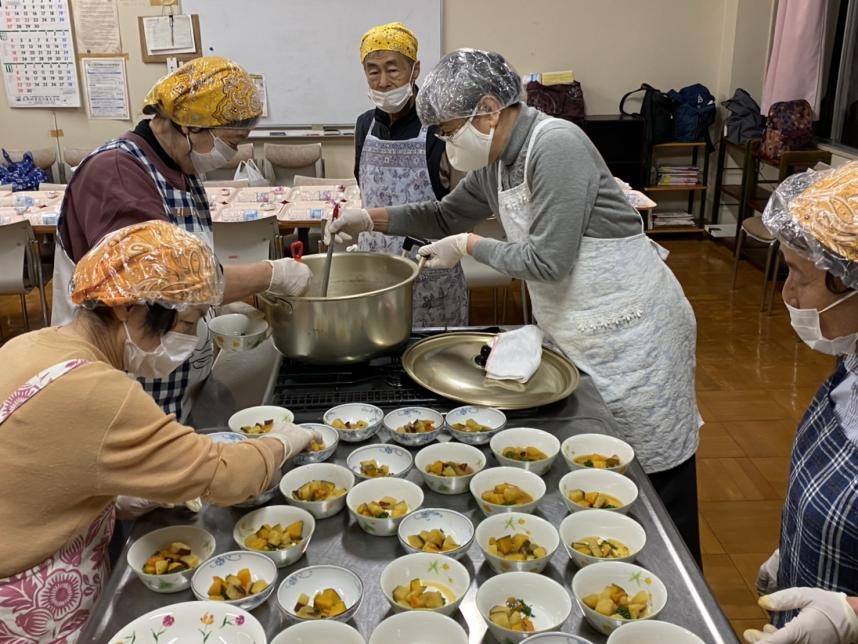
[621, 316]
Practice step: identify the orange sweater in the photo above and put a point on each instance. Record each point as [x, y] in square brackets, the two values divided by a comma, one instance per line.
[92, 435]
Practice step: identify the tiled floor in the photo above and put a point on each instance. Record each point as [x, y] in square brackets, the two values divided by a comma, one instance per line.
[754, 381]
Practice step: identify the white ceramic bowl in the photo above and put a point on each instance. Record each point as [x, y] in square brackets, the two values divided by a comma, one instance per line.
[336, 474]
[353, 412]
[453, 523]
[556, 637]
[237, 332]
[418, 627]
[320, 631]
[260, 413]
[202, 545]
[540, 532]
[399, 417]
[266, 496]
[191, 621]
[284, 515]
[550, 602]
[652, 632]
[488, 479]
[227, 437]
[229, 563]
[581, 444]
[398, 459]
[456, 452]
[488, 416]
[629, 577]
[426, 567]
[590, 480]
[373, 490]
[526, 437]
[314, 579]
[331, 438]
[604, 524]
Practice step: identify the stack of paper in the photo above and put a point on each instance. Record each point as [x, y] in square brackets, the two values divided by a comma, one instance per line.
[678, 175]
[672, 218]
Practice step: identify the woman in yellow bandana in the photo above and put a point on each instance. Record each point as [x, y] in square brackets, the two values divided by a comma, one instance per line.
[398, 160]
[199, 115]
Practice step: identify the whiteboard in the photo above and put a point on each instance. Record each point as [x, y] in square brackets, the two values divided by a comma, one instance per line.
[308, 50]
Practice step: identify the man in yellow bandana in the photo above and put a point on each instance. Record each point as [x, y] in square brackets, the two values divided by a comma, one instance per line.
[199, 115]
[397, 160]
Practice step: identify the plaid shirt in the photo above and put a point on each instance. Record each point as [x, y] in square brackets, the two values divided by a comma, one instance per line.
[188, 209]
[819, 525]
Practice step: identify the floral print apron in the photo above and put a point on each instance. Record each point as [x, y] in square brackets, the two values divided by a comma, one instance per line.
[392, 173]
[51, 602]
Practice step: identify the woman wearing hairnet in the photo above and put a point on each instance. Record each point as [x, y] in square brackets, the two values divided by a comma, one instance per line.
[598, 285]
[811, 582]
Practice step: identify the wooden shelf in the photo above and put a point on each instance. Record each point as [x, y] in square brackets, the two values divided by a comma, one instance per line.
[680, 144]
[673, 230]
[693, 188]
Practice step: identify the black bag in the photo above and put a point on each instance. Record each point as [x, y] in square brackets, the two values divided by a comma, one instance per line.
[565, 101]
[656, 112]
[694, 113]
[745, 122]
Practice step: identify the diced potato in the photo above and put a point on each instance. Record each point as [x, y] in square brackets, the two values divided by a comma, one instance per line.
[506, 494]
[259, 428]
[235, 586]
[524, 453]
[515, 615]
[339, 423]
[372, 469]
[470, 425]
[385, 508]
[417, 427]
[420, 594]
[327, 603]
[599, 461]
[317, 491]
[594, 499]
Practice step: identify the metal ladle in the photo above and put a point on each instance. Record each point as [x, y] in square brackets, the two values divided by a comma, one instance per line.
[326, 275]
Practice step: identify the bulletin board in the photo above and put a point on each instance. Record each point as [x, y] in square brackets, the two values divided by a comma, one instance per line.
[37, 54]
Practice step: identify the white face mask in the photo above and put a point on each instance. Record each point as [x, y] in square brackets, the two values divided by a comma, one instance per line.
[468, 149]
[392, 101]
[174, 349]
[806, 325]
[219, 156]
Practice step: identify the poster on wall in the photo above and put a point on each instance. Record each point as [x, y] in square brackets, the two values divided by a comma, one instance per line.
[106, 88]
[37, 54]
[96, 26]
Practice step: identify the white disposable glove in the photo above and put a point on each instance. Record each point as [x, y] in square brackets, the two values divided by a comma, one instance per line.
[447, 252]
[351, 223]
[288, 277]
[294, 438]
[825, 618]
[767, 577]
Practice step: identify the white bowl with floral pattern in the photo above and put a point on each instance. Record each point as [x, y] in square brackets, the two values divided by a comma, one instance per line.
[452, 523]
[398, 460]
[314, 579]
[489, 417]
[353, 413]
[319, 632]
[198, 621]
[202, 545]
[401, 417]
[261, 568]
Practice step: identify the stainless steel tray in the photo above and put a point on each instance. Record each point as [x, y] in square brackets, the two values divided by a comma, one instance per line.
[444, 364]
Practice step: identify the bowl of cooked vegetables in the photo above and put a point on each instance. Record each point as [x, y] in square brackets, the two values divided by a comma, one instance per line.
[515, 541]
[447, 468]
[165, 559]
[601, 535]
[419, 627]
[424, 581]
[507, 489]
[255, 422]
[237, 332]
[322, 592]
[599, 451]
[379, 460]
[475, 425]
[280, 532]
[355, 422]
[318, 632]
[527, 448]
[379, 505]
[436, 530]
[613, 593]
[239, 578]
[414, 426]
[318, 488]
[598, 490]
[318, 451]
[516, 605]
[652, 632]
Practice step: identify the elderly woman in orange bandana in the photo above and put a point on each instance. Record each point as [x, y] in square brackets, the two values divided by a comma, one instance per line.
[200, 114]
[75, 431]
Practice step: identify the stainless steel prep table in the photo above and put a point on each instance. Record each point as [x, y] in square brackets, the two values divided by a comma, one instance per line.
[241, 380]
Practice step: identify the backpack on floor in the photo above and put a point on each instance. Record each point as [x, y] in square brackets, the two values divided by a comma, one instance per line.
[565, 100]
[745, 122]
[694, 113]
[656, 112]
[789, 126]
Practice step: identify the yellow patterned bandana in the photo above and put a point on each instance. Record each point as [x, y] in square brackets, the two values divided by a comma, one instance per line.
[394, 36]
[205, 92]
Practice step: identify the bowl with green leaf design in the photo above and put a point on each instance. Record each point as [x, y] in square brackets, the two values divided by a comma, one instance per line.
[442, 583]
[165, 559]
[447, 468]
[193, 622]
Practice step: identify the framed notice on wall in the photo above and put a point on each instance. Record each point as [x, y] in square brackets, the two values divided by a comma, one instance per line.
[37, 54]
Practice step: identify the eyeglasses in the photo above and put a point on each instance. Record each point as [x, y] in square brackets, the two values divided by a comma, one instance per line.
[446, 138]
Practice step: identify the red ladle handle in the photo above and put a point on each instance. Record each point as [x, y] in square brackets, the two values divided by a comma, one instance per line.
[297, 250]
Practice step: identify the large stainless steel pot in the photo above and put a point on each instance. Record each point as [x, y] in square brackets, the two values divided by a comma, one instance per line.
[367, 312]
